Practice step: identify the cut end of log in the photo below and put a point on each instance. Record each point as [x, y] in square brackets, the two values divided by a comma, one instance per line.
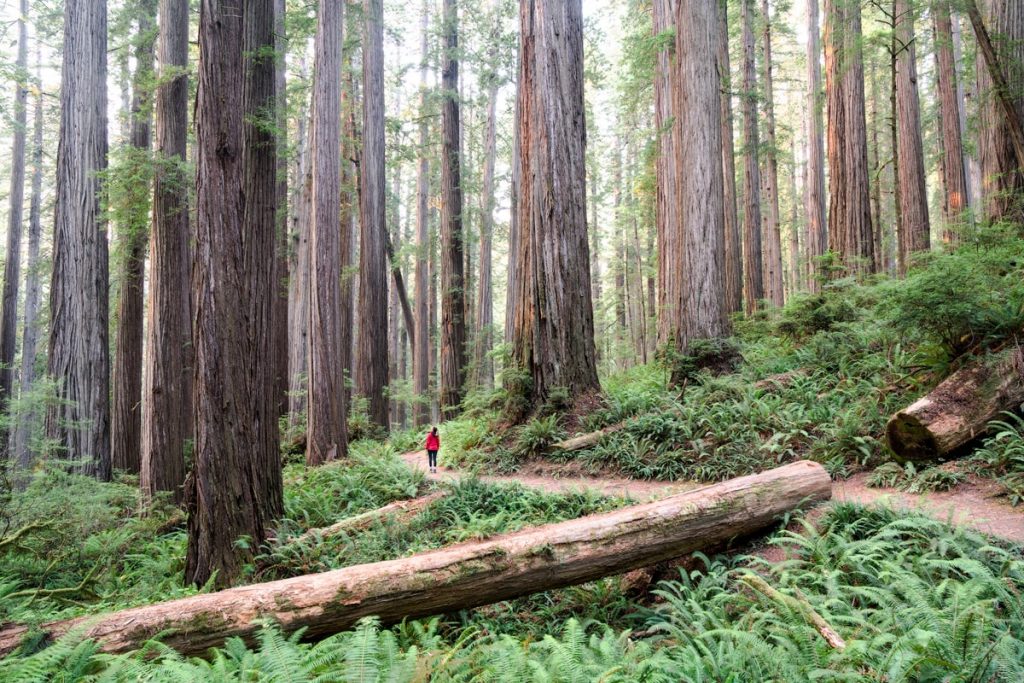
[909, 438]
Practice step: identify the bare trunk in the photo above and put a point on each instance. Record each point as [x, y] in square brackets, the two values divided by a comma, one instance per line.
[168, 377]
[817, 238]
[281, 313]
[485, 305]
[453, 305]
[553, 336]
[372, 360]
[234, 488]
[753, 272]
[958, 410]
[668, 196]
[466, 575]
[79, 358]
[849, 217]
[327, 413]
[794, 224]
[27, 421]
[733, 266]
[955, 195]
[12, 263]
[421, 346]
[913, 195]
[126, 422]
[771, 231]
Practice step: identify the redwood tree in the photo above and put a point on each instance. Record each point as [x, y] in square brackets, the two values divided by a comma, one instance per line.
[955, 195]
[126, 423]
[773, 287]
[913, 194]
[12, 263]
[733, 267]
[421, 343]
[453, 305]
[553, 328]
[817, 238]
[167, 380]
[753, 273]
[232, 490]
[849, 215]
[326, 414]
[372, 358]
[79, 357]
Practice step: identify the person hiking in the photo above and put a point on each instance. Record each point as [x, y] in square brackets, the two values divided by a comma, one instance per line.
[433, 446]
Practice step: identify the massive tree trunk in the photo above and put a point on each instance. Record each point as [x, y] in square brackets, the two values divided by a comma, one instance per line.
[484, 303]
[326, 431]
[817, 238]
[421, 345]
[733, 266]
[232, 491]
[12, 263]
[1002, 180]
[753, 272]
[298, 290]
[849, 216]
[914, 236]
[79, 359]
[27, 421]
[126, 422]
[773, 287]
[168, 378]
[453, 305]
[372, 359]
[466, 575]
[958, 410]
[553, 337]
[955, 195]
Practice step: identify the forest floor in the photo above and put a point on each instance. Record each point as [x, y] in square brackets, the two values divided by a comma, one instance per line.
[975, 503]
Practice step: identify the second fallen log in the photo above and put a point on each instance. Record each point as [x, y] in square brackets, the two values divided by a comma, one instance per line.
[466, 575]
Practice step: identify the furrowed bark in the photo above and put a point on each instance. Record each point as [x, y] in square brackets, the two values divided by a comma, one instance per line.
[817, 239]
[421, 344]
[958, 410]
[753, 272]
[466, 575]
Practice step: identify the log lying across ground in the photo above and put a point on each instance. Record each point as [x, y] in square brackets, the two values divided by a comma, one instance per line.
[466, 575]
[398, 512]
[958, 410]
[581, 441]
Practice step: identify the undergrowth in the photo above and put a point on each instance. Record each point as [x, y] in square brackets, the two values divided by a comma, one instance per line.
[912, 598]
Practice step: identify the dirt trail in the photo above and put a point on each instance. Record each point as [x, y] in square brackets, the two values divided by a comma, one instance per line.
[973, 504]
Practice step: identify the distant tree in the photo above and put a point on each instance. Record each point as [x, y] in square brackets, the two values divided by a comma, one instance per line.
[913, 194]
[817, 238]
[753, 257]
[955, 176]
[733, 242]
[771, 233]
[421, 350]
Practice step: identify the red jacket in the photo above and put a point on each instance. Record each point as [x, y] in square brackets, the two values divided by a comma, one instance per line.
[433, 442]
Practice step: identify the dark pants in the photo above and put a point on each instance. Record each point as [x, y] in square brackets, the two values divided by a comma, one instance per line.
[432, 458]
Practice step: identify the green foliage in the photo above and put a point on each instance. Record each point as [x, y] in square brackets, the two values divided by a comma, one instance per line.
[1002, 456]
[809, 313]
[538, 435]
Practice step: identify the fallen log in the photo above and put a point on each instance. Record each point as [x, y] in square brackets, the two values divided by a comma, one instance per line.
[958, 410]
[780, 381]
[463, 576]
[581, 441]
[398, 512]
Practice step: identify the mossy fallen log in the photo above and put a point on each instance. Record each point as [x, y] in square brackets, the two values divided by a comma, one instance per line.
[581, 441]
[462, 576]
[959, 409]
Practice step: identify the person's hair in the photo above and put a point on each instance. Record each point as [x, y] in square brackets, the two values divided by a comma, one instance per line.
[434, 431]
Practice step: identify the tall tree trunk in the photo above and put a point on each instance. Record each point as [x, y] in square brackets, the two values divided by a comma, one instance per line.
[79, 359]
[453, 321]
[849, 216]
[956, 196]
[326, 430]
[513, 284]
[168, 377]
[281, 382]
[484, 303]
[753, 273]
[236, 440]
[817, 238]
[971, 169]
[372, 360]
[894, 144]
[553, 336]
[620, 257]
[421, 352]
[875, 153]
[12, 264]
[794, 225]
[126, 423]
[913, 194]
[668, 195]
[771, 232]
[733, 267]
[1002, 178]
[27, 422]
[298, 292]
[698, 264]
[350, 210]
